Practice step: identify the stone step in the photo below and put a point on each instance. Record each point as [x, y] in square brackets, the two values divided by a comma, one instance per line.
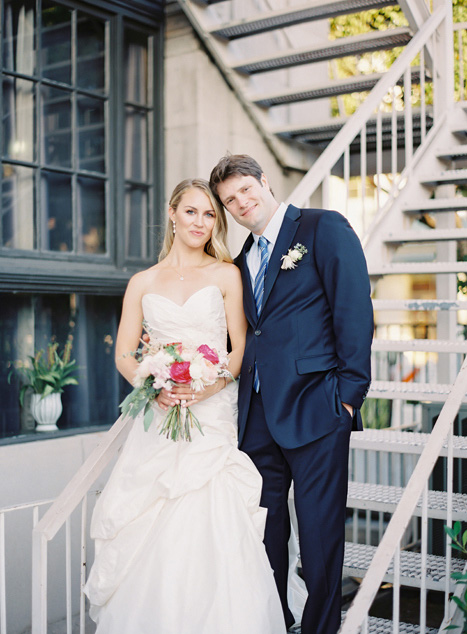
[342, 47]
[426, 235]
[358, 558]
[421, 345]
[360, 83]
[437, 205]
[406, 442]
[414, 268]
[385, 498]
[419, 304]
[271, 20]
[410, 391]
[447, 177]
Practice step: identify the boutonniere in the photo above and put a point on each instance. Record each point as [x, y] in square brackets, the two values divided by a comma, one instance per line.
[293, 256]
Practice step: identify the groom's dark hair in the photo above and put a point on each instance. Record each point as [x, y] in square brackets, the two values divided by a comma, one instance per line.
[234, 165]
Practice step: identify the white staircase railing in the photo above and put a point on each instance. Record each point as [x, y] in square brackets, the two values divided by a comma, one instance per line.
[386, 117]
[58, 515]
[389, 547]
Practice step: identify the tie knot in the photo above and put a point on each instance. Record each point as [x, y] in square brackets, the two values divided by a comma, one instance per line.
[262, 242]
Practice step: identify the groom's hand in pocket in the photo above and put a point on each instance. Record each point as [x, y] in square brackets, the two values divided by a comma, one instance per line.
[349, 408]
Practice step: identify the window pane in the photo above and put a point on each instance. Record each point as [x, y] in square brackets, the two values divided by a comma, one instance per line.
[18, 207]
[27, 323]
[136, 145]
[18, 119]
[57, 218]
[56, 126]
[136, 67]
[91, 134]
[56, 42]
[91, 53]
[91, 213]
[136, 222]
[19, 39]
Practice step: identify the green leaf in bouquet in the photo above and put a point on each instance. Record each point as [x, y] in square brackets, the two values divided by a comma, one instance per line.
[148, 416]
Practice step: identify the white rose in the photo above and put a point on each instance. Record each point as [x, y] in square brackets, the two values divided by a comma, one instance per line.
[287, 262]
[296, 255]
[196, 370]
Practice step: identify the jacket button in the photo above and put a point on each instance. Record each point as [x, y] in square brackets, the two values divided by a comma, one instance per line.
[257, 333]
[250, 369]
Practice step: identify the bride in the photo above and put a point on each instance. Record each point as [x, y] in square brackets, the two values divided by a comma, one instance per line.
[178, 528]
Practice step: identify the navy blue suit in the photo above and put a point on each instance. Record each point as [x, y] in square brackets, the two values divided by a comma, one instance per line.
[311, 344]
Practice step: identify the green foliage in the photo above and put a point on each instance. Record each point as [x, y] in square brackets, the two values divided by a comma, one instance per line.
[459, 542]
[47, 372]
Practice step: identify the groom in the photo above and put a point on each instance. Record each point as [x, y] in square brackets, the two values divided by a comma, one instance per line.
[305, 374]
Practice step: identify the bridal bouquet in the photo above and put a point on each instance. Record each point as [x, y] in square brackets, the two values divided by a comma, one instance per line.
[162, 366]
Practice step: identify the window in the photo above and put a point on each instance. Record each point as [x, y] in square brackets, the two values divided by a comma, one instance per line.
[80, 183]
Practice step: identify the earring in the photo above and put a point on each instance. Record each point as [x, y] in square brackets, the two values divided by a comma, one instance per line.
[173, 224]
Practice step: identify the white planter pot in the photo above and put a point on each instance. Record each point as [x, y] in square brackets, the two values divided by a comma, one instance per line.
[46, 411]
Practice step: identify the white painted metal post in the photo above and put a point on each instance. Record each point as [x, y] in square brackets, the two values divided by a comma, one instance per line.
[396, 591]
[39, 583]
[424, 546]
[82, 601]
[68, 575]
[2, 576]
[449, 488]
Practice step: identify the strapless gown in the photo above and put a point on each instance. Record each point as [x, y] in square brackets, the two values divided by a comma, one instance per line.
[178, 528]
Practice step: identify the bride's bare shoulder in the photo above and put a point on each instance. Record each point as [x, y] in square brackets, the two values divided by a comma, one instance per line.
[140, 282]
[229, 274]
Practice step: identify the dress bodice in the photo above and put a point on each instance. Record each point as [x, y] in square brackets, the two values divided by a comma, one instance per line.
[201, 319]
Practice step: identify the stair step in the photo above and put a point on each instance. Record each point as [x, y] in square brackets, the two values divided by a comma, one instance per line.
[406, 442]
[414, 268]
[385, 498]
[455, 177]
[438, 204]
[345, 86]
[410, 391]
[426, 235]
[338, 48]
[384, 626]
[323, 133]
[454, 153]
[270, 20]
[418, 304]
[357, 560]
[422, 345]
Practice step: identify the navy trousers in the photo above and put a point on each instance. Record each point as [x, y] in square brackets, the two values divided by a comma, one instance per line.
[319, 471]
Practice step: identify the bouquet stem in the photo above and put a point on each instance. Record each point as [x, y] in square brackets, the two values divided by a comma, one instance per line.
[178, 423]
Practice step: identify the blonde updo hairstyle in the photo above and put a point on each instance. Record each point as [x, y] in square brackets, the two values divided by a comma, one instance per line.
[216, 246]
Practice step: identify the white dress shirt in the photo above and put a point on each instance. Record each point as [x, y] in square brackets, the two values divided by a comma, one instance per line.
[253, 257]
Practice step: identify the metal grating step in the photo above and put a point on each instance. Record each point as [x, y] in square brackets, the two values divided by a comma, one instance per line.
[268, 21]
[455, 177]
[414, 268]
[358, 558]
[322, 134]
[418, 304]
[339, 48]
[438, 204]
[402, 442]
[427, 235]
[455, 153]
[422, 345]
[360, 83]
[410, 391]
[385, 498]
[384, 626]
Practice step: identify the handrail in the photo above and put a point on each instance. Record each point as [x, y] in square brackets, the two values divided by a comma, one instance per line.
[321, 168]
[404, 511]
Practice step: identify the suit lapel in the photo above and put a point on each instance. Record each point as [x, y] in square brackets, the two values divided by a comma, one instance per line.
[248, 297]
[284, 239]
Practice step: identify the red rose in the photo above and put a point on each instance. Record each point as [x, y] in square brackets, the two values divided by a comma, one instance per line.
[180, 372]
[209, 354]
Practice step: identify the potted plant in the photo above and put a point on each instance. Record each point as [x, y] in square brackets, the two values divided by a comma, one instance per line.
[46, 374]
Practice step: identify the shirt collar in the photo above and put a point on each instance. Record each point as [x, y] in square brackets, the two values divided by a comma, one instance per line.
[274, 226]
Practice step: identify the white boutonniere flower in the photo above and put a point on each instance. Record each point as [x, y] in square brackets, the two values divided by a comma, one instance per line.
[293, 256]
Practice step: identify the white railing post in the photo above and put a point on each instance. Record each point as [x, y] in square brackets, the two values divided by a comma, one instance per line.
[2, 576]
[39, 583]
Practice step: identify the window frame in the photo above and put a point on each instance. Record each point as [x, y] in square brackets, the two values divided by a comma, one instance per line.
[35, 270]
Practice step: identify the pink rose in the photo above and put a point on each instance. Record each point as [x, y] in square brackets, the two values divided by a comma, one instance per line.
[209, 354]
[180, 372]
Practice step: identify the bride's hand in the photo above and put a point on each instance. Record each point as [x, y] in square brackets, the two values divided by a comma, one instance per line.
[181, 392]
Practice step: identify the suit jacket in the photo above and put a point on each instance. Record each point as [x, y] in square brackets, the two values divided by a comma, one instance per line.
[312, 340]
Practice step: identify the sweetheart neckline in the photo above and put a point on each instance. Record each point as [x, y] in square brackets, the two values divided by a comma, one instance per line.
[188, 299]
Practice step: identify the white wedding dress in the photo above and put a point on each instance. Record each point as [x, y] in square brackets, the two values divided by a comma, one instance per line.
[178, 527]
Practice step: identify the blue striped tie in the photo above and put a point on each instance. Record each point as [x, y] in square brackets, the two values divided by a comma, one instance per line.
[259, 290]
